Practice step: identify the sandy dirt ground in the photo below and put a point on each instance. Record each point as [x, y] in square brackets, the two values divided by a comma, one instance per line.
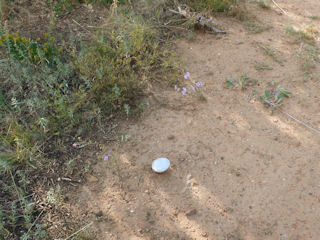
[237, 171]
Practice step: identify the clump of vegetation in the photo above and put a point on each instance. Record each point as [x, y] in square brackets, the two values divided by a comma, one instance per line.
[46, 96]
[119, 65]
[310, 56]
[271, 52]
[21, 48]
[255, 27]
[243, 82]
[263, 4]
[273, 99]
[301, 36]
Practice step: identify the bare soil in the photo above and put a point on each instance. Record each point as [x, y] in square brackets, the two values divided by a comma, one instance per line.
[238, 171]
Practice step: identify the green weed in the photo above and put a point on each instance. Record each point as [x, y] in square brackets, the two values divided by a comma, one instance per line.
[273, 99]
[243, 82]
[229, 82]
[271, 52]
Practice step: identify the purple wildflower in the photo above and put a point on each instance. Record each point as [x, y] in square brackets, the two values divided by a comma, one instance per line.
[199, 84]
[106, 157]
[75, 145]
[211, 18]
[184, 91]
[187, 75]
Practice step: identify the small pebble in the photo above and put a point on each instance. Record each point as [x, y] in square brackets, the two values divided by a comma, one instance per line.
[92, 179]
[191, 212]
[204, 234]
[171, 137]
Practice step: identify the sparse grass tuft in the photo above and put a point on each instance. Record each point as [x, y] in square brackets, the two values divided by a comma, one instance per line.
[263, 4]
[255, 27]
[310, 56]
[301, 36]
[271, 52]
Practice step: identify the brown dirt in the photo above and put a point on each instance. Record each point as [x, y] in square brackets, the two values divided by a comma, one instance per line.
[237, 171]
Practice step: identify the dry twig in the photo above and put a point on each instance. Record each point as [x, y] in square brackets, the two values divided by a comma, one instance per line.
[275, 3]
[81, 229]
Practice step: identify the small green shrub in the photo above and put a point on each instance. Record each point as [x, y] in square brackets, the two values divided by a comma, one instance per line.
[119, 65]
[21, 48]
[39, 100]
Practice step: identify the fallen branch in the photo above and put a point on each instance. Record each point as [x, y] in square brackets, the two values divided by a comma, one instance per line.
[75, 233]
[198, 20]
[299, 121]
[35, 221]
[293, 118]
[275, 3]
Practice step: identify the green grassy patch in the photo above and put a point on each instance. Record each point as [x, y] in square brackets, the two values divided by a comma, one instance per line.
[309, 55]
[49, 95]
[255, 27]
[301, 36]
